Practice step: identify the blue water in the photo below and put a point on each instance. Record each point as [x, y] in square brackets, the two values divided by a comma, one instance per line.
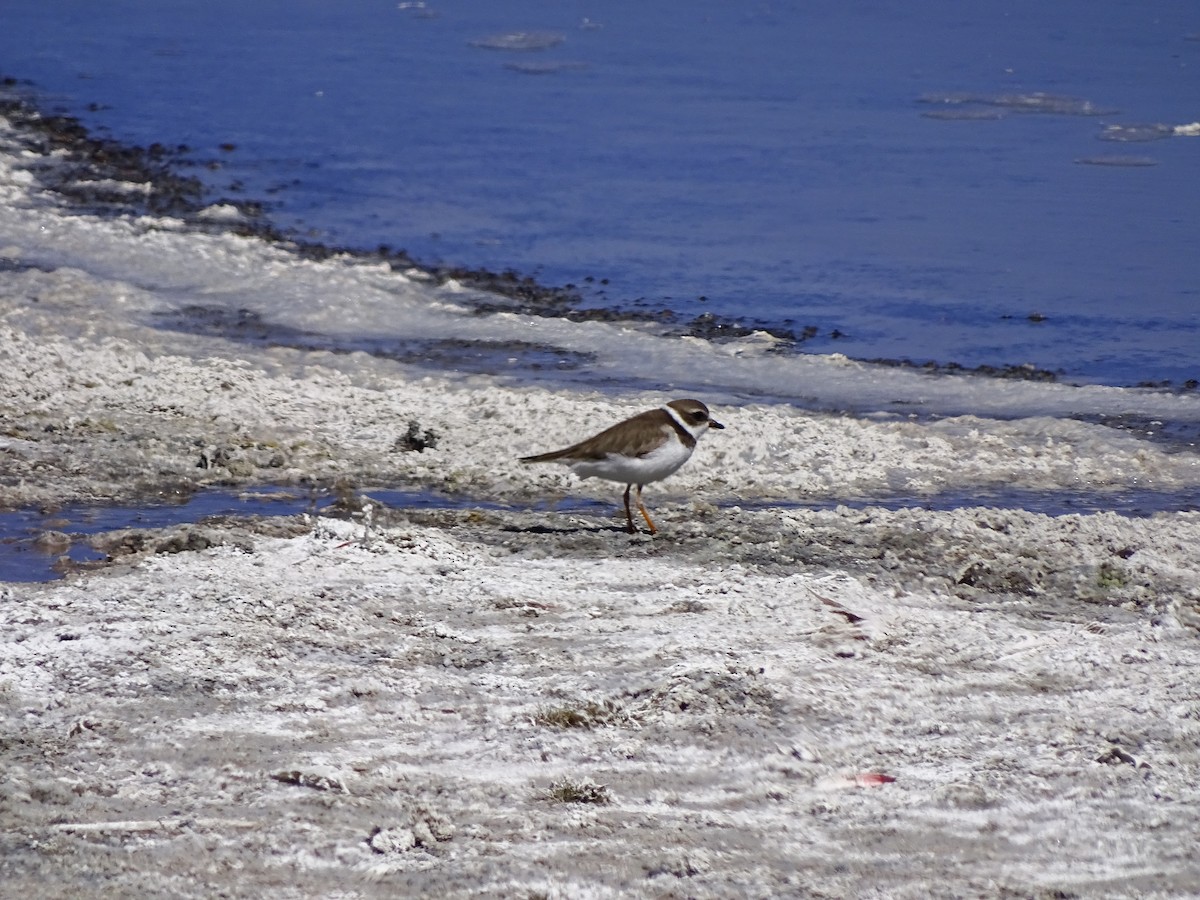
[23, 558]
[772, 162]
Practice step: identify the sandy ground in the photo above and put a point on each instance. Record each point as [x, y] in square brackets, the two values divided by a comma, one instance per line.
[529, 702]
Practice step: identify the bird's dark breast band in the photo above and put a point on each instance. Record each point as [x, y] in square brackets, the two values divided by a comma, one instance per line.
[685, 436]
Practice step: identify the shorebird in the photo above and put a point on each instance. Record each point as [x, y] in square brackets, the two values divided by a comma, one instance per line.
[647, 447]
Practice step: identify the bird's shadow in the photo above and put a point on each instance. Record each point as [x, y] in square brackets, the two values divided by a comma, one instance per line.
[559, 508]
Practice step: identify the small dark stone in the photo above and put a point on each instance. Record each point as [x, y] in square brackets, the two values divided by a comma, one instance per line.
[415, 440]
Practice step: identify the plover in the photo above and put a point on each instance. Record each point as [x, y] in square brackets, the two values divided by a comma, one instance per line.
[647, 447]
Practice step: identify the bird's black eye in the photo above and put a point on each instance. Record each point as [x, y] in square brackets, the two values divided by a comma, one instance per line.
[699, 416]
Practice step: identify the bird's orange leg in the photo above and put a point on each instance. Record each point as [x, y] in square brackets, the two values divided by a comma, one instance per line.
[628, 514]
[642, 507]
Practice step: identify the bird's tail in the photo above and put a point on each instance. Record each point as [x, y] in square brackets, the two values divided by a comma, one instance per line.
[545, 457]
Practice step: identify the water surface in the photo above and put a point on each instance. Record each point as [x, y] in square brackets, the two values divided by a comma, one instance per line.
[923, 181]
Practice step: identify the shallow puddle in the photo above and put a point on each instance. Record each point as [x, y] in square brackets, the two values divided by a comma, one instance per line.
[34, 543]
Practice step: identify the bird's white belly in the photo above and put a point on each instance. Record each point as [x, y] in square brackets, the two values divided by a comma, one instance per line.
[653, 466]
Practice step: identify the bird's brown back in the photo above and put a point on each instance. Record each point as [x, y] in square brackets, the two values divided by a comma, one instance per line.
[642, 428]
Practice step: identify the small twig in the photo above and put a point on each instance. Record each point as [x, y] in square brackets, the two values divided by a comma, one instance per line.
[172, 824]
[852, 618]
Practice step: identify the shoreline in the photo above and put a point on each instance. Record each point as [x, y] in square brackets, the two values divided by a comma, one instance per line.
[758, 701]
[108, 163]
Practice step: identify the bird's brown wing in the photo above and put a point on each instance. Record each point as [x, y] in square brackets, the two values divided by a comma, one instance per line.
[645, 425]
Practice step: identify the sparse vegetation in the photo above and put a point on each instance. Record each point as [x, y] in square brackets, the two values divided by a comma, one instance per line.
[566, 790]
[1111, 576]
[587, 715]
